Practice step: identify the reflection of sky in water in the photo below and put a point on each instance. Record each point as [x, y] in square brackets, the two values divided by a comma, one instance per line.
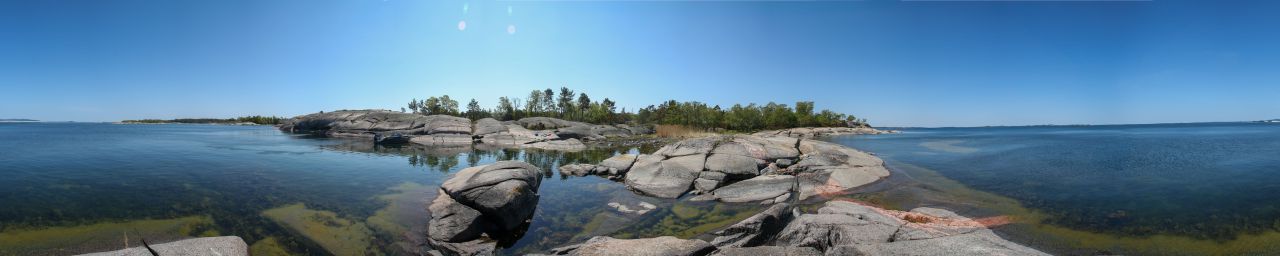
[76, 174]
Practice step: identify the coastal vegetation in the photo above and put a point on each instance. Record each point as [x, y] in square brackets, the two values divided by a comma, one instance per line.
[263, 120]
[578, 106]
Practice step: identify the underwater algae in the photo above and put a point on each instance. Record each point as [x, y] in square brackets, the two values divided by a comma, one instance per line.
[104, 236]
[269, 246]
[686, 219]
[335, 234]
[405, 217]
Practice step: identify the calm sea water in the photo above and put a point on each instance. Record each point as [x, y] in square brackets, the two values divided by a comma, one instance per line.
[76, 187]
[1212, 181]
[71, 187]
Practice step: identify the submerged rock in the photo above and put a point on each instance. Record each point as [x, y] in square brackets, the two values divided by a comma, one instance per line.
[658, 246]
[482, 205]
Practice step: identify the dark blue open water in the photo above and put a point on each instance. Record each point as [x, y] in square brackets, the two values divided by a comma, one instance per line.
[1207, 181]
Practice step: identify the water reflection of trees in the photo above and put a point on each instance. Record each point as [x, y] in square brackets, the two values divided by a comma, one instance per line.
[448, 159]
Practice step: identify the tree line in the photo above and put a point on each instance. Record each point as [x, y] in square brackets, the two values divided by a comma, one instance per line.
[575, 106]
[269, 120]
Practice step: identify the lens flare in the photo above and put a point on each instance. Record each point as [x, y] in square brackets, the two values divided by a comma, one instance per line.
[462, 25]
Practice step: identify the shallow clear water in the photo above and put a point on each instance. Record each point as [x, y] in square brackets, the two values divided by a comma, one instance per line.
[1213, 181]
[75, 187]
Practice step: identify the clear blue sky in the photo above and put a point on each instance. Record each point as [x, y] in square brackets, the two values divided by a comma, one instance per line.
[895, 63]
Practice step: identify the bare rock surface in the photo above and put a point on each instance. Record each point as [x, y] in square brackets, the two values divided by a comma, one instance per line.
[771, 167]
[768, 250]
[658, 246]
[654, 176]
[846, 228]
[222, 246]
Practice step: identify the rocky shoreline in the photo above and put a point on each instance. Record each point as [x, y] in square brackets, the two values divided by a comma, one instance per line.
[780, 170]
[449, 131]
[481, 209]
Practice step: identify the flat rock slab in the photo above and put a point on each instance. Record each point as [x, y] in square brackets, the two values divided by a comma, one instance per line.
[981, 242]
[212, 246]
[760, 188]
[769, 251]
[658, 246]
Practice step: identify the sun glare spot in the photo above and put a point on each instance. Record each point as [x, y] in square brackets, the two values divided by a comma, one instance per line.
[511, 29]
[462, 25]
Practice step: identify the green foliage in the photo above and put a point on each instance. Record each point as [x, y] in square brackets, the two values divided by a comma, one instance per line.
[577, 106]
[743, 118]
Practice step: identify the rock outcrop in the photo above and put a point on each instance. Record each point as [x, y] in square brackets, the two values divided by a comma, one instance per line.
[838, 228]
[847, 228]
[613, 168]
[743, 168]
[443, 130]
[756, 230]
[658, 246]
[223, 245]
[482, 206]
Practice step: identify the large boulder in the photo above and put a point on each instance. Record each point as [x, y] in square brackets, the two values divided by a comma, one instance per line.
[839, 223]
[658, 246]
[669, 178]
[222, 245]
[482, 205]
[619, 163]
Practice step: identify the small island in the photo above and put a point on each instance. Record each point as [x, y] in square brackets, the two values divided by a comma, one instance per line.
[244, 120]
